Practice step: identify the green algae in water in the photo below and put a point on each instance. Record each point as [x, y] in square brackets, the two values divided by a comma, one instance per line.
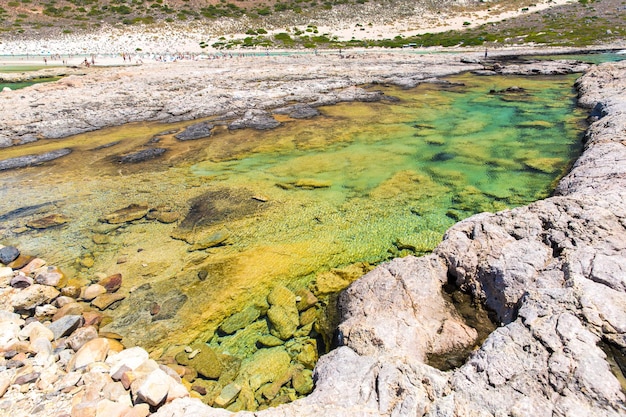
[20, 85]
[360, 184]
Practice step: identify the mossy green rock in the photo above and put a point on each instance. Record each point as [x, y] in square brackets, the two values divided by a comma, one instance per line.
[308, 354]
[266, 365]
[283, 313]
[302, 381]
[244, 342]
[240, 320]
[270, 341]
[205, 362]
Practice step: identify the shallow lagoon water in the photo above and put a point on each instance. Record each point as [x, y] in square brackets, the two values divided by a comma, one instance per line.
[359, 184]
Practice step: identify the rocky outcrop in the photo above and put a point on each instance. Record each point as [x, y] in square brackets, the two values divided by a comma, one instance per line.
[553, 274]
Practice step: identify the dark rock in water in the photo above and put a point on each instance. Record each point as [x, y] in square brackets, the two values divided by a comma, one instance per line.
[9, 254]
[106, 145]
[255, 119]
[299, 111]
[169, 307]
[25, 211]
[47, 222]
[30, 160]
[141, 156]
[214, 207]
[196, 131]
[509, 90]
[443, 156]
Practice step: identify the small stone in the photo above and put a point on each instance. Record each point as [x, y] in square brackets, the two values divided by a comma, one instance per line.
[34, 295]
[270, 341]
[153, 388]
[86, 261]
[93, 351]
[5, 383]
[195, 131]
[306, 299]
[21, 281]
[92, 318]
[70, 309]
[308, 316]
[130, 358]
[26, 378]
[36, 330]
[63, 300]
[50, 275]
[47, 222]
[228, 395]
[163, 216]
[65, 325]
[6, 272]
[71, 291]
[308, 354]
[206, 362]
[100, 239]
[8, 254]
[81, 336]
[21, 261]
[127, 214]
[45, 312]
[110, 408]
[139, 410]
[112, 283]
[302, 381]
[33, 265]
[105, 300]
[92, 291]
[210, 241]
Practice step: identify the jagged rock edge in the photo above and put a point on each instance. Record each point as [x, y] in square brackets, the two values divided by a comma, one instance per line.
[520, 368]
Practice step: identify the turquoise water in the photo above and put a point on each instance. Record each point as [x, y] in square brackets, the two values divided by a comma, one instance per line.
[311, 204]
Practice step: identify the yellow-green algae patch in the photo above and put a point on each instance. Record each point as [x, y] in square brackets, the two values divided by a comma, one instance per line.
[253, 210]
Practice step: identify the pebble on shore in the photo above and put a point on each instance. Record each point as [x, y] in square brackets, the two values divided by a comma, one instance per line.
[54, 362]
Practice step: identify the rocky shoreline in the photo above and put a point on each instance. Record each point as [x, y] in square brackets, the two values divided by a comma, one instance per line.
[231, 87]
[551, 271]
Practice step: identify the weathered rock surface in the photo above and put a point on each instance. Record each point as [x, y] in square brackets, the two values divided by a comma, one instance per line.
[553, 273]
[30, 160]
[141, 156]
[195, 131]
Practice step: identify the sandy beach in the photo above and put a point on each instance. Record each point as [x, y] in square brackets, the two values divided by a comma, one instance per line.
[169, 39]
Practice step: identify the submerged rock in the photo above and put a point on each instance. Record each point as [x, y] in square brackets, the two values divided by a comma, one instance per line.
[126, 214]
[196, 131]
[30, 160]
[52, 220]
[283, 313]
[255, 119]
[141, 156]
[203, 359]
